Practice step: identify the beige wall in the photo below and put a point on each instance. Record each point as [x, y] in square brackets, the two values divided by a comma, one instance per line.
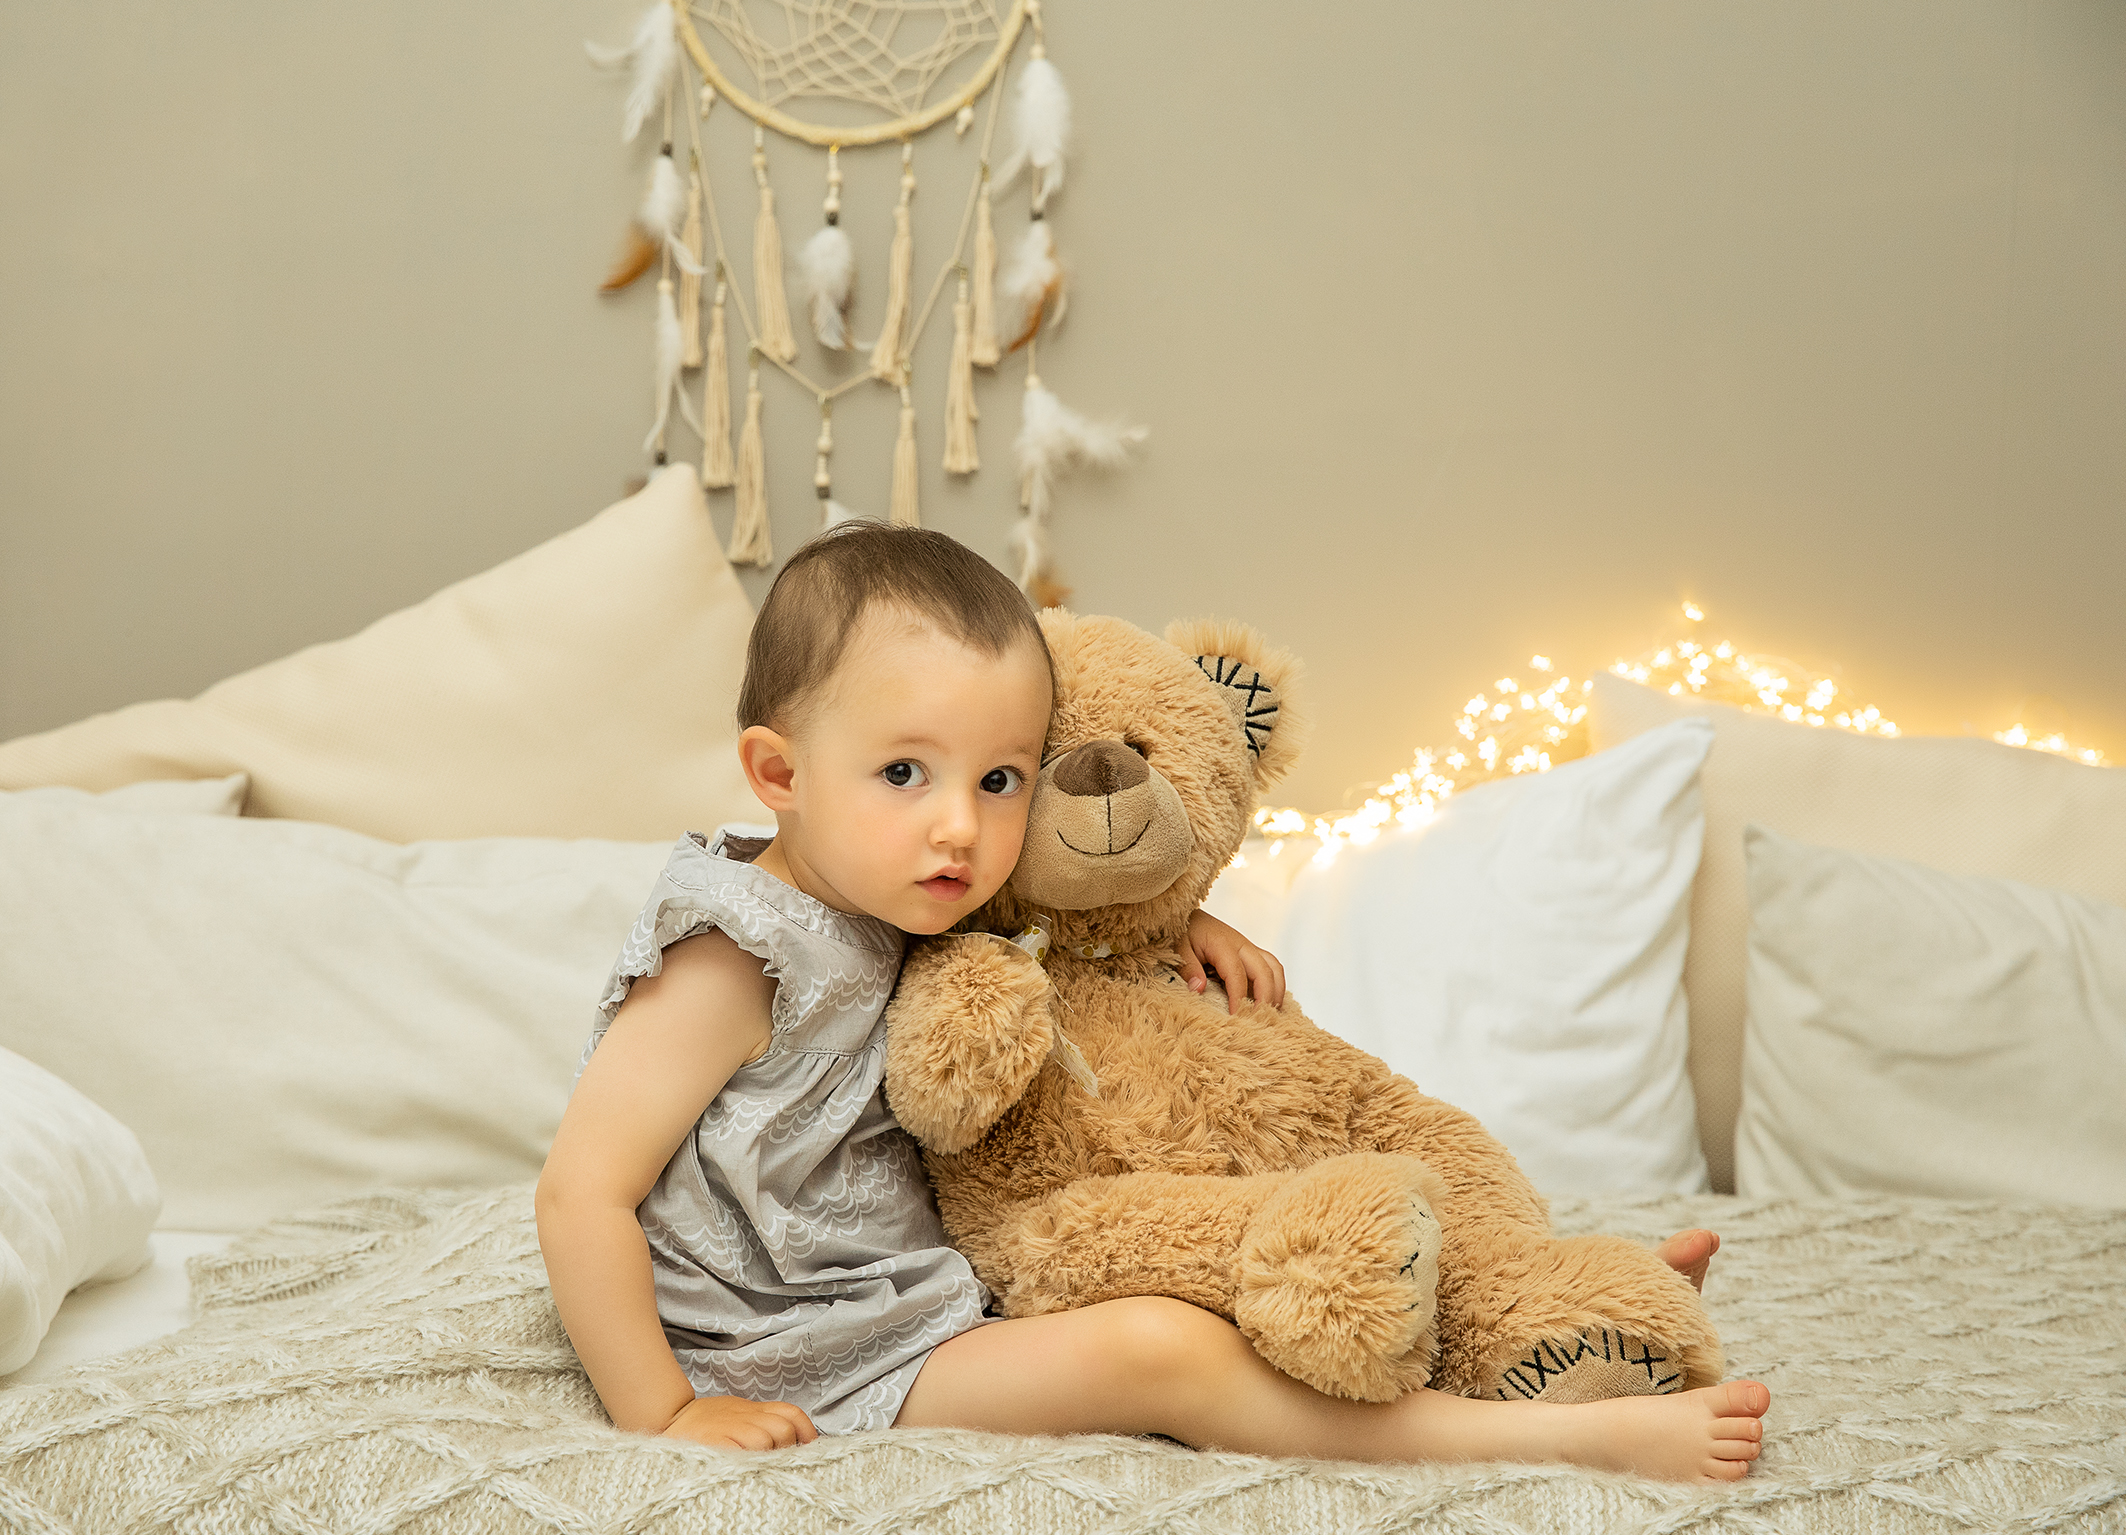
[1463, 330]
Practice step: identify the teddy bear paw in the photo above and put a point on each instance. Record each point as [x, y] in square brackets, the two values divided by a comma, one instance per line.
[1588, 1366]
[1338, 1274]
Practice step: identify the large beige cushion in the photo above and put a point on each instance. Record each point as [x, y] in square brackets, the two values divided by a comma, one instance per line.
[285, 1012]
[1965, 806]
[583, 689]
[1915, 1032]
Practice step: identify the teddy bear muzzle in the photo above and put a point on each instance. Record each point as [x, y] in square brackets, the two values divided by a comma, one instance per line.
[1106, 828]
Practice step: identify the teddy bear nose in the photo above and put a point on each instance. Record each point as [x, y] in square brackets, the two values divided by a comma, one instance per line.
[1100, 768]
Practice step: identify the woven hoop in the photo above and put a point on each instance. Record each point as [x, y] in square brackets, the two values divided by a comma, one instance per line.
[849, 138]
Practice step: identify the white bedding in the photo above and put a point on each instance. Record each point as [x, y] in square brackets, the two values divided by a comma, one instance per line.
[100, 1319]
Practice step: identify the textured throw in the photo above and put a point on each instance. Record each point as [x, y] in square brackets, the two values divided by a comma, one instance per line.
[395, 1364]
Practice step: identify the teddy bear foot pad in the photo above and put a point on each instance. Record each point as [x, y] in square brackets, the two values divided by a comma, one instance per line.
[1590, 1366]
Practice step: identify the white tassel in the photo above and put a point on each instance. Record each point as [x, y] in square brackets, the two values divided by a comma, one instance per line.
[750, 543]
[886, 356]
[690, 282]
[664, 204]
[906, 472]
[961, 454]
[832, 511]
[774, 308]
[983, 350]
[1031, 287]
[670, 349]
[827, 263]
[653, 57]
[717, 470]
[1040, 117]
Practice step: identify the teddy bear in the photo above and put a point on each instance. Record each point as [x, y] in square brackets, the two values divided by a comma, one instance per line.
[1095, 1128]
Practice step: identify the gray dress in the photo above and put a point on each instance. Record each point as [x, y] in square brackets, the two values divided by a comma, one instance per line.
[794, 1240]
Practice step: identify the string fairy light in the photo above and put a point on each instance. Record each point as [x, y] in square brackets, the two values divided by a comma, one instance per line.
[1514, 727]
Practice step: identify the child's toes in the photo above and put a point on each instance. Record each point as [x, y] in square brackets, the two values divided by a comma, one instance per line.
[1739, 1399]
[1738, 1428]
[1736, 1449]
[1726, 1470]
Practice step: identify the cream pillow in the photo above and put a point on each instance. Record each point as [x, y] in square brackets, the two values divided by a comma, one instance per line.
[287, 1013]
[1522, 958]
[76, 1202]
[1914, 1032]
[1965, 806]
[195, 796]
[583, 689]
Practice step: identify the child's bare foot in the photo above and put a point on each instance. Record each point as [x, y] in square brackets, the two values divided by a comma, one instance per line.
[1690, 1253]
[1708, 1435]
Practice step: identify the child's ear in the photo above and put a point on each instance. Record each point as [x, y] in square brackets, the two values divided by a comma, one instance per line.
[1256, 679]
[770, 766]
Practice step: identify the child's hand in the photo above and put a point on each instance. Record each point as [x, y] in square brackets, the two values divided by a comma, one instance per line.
[1244, 969]
[732, 1422]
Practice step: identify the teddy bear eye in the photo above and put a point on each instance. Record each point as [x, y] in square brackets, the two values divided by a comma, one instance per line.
[1137, 747]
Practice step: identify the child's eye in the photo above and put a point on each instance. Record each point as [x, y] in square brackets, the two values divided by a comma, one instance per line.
[903, 775]
[1002, 780]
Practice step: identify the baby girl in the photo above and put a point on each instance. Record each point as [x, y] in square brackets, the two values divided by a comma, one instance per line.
[739, 1236]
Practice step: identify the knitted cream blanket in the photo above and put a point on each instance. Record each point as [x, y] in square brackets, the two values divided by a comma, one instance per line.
[395, 1364]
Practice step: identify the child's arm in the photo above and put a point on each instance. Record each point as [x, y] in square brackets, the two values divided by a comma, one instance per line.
[1244, 969]
[674, 1043]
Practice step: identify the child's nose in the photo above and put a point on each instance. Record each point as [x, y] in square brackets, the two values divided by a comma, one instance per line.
[957, 820]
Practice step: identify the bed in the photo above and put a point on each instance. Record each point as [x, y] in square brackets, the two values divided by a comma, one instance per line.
[355, 1008]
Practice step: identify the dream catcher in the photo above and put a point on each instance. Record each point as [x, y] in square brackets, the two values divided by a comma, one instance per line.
[897, 69]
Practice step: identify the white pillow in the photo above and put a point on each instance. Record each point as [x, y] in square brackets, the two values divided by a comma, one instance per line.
[586, 688]
[155, 796]
[1522, 958]
[1915, 1032]
[287, 1013]
[76, 1202]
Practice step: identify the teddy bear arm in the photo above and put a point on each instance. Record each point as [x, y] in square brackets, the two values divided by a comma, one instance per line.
[967, 1030]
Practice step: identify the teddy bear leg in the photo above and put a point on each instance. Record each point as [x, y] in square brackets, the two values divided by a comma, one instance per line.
[1338, 1274]
[1574, 1320]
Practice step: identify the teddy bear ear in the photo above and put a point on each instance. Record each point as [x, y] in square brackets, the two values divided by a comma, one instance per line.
[1256, 679]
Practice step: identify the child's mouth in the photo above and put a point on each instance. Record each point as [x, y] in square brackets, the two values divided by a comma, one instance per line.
[946, 887]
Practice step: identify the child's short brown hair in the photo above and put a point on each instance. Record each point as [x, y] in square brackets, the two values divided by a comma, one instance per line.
[828, 586]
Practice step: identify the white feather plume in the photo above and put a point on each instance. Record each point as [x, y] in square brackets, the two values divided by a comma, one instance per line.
[827, 265]
[1054, 439]
[1031, 283]
[664, 205]
[652, 56]
[671, 351]
[1040, 118]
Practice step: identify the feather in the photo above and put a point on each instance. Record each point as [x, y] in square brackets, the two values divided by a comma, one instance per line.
[635, 258]
[1040, 116]
[1031, 285]
[1053, 438]
[664, 204]
[827, 265]
[652, 57]
[671, 349]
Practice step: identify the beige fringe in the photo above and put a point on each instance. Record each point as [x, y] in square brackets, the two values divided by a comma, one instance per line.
[905, 472]
[886, 356]
[775, 335]
[690, 282]
[984, 352]
[749, 529]
[961, 454]
[717, 470]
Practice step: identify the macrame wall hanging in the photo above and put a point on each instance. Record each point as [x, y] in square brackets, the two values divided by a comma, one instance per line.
[908, 66]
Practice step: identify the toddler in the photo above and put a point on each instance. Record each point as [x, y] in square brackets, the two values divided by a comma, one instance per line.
[740, 1238]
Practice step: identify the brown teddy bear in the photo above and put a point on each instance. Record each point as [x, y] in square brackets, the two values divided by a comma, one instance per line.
[1366, 1238]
